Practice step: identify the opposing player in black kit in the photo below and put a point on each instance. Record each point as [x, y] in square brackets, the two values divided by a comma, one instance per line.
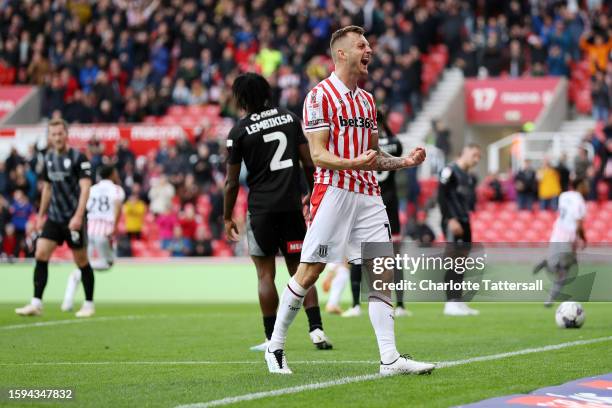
[271, 143]
[386, 180]
[66, 180]
[456, 199]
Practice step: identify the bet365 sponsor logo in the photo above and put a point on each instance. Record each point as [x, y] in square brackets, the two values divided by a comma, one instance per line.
[359, 122]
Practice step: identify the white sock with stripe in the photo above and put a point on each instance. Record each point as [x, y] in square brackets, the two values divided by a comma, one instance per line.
[289, 306]
[381, 316]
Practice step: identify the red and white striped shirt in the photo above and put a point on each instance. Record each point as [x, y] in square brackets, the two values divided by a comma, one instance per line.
[350, 117]
[104, 199]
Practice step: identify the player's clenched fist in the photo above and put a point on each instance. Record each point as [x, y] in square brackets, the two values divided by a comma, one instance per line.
[416, 157]
[231, 230]
[365, 161]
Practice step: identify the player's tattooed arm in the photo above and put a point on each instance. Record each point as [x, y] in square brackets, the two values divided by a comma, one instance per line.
[232, 185]
[387, 162]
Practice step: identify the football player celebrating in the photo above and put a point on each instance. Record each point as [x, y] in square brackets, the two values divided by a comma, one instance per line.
[346, 207]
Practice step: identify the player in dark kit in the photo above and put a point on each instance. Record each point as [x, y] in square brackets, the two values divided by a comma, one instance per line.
[455, 197]
[271, 143]
[67, 179]
[386, 180]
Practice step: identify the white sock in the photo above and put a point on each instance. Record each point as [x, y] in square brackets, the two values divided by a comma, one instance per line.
[337, 285]
[381, 316]
[88, 304]
[36, 302]
[289, 306]
[71, 286]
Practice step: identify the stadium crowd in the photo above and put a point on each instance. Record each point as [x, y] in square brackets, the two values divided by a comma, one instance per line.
[169, 185]
[120, 60]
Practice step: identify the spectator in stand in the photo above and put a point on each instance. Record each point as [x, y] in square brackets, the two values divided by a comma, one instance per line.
[20, 210]
[78, 110]
[5, 215]
[160, 195]
[549, 186]
[526, 186]
[597, 49]
[18, 180]
[268, 59]
[188, 191]
[9, 243]
[600, 95]
[123, 155]
[581, 164]
[197, 95]
[495, 187]
[564, 172]
[4, 179]
[467, 59]
[442, 137]
[188, 222]
[134, 212]
[166, 223]
[178, 245]
[88, 75]
[181, 95]
[107, 113]
[557, 62]
[202, 244]
[517, 63]
[492, 56]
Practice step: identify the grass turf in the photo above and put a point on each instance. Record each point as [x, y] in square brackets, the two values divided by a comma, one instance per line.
[196, 332]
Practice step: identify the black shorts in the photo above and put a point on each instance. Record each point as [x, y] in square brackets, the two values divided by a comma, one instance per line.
[267, 233]
[392, 205]
[59, 233]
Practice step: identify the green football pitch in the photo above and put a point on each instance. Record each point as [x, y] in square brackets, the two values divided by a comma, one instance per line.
[178, 333]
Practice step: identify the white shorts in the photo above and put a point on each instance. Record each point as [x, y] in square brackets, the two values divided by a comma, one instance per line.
[340, 221]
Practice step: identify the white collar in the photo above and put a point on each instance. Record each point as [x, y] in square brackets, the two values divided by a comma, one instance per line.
[340, 86]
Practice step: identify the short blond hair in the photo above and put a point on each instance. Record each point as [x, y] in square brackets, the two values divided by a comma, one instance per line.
[343, 32]
[58, 122]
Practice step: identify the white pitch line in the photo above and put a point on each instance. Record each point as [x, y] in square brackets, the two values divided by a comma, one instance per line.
[76, 321]
[361, 378]
[96, 363]
[112, 318]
